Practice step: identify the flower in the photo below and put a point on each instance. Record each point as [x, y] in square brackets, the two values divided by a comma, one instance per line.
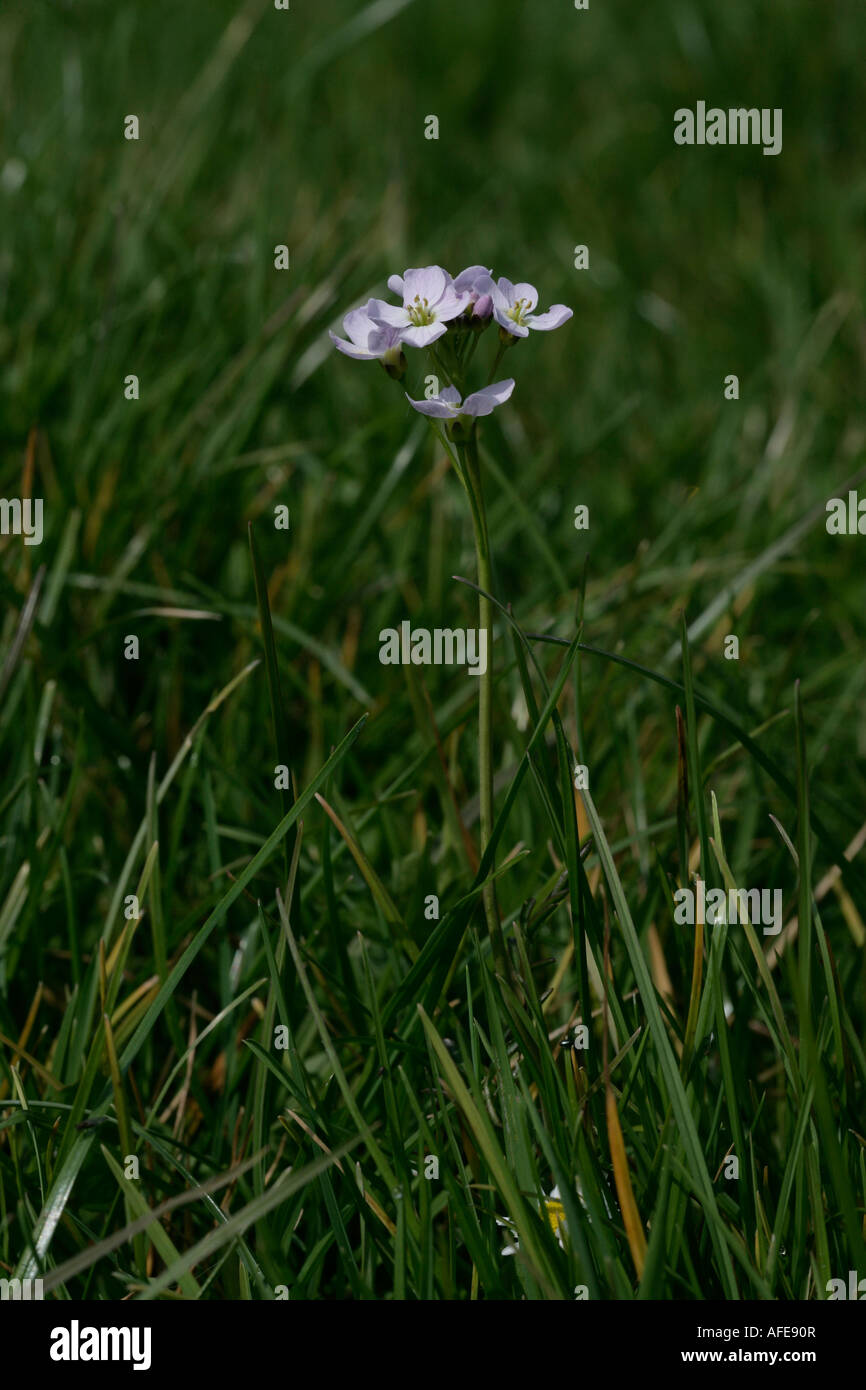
[447, 406]
[371, 341]
[555, 1212]
[476, 282]
[430, 302]
[553, 1209]
[513, 307]
[472, 281]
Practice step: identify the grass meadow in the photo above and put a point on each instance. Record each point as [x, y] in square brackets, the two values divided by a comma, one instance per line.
[282, 1004]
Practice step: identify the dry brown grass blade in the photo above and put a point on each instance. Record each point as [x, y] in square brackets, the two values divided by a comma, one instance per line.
[634, 1230]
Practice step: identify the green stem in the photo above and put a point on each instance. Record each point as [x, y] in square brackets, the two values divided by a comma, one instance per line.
[448, 373]
[476, 339]
[503, 348]
[441, 370]
[469, 451]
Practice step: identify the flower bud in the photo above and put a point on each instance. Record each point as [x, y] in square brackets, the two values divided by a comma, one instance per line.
[483, 310]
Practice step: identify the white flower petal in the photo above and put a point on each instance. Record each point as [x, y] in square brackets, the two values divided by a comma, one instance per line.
[554, 318]
[485, 401]
[424, 335]
[527, 292]
[428, 283]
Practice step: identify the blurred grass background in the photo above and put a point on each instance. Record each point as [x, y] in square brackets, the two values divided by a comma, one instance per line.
[156, 257]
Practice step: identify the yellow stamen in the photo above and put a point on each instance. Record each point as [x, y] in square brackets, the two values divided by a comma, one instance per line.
[555, 1214]
[419, 312]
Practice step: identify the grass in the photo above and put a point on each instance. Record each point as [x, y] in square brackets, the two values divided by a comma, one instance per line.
[247, 988]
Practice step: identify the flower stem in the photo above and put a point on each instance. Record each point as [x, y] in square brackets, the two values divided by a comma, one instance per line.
[503, 348]
[476, 339]
[441, 369]
[469, 451]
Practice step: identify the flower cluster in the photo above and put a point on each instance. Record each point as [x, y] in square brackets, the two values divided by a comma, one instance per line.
[446, 316]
